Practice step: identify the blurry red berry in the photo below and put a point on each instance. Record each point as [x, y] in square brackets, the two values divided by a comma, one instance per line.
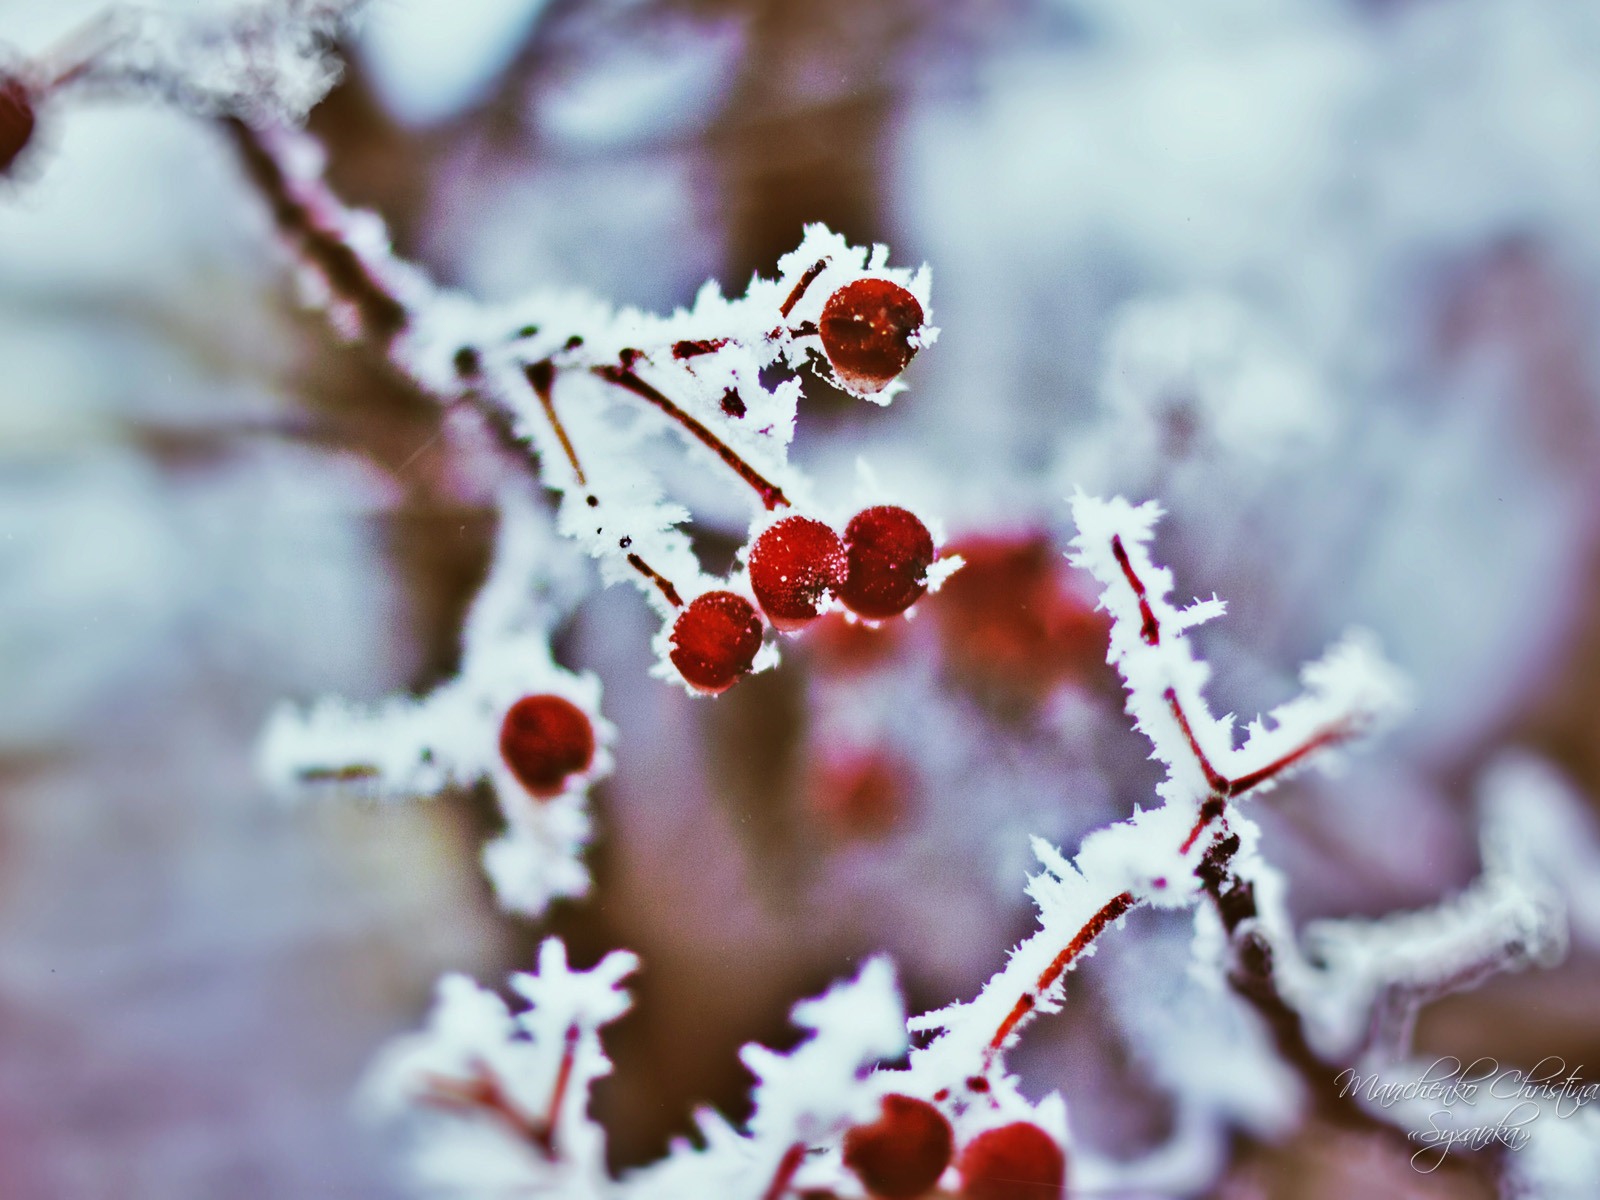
[715, 640]
[16, 121]
[1010, 622]
[842, 645]
[866, 330]
[902, 1153]
[860, 795]
[544, 739]
[792, 565]
[1014, 1162]
[888, 553]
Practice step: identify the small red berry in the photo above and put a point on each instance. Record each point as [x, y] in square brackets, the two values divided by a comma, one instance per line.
[715, 641]
[866, 330]
[16, 121]
[902, 1153]
[841, 645]
[544, 739]
[792, 565]
[862, 795]
[1010, 623]
[1014, 1162]
[888, 553]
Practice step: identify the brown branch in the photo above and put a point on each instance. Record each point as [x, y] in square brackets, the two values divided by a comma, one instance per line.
[1251, 976]
[305, 213]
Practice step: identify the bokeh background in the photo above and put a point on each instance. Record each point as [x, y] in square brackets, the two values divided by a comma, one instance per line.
[1322, 276]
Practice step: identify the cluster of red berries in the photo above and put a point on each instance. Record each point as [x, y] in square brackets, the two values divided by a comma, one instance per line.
[545, 740]
[878, 569]
[903, 1153]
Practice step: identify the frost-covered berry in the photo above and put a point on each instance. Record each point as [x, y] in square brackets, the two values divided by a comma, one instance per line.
[888, 553]
[794, 563]
[16, 121]
[1014, 1162]
[714, 641]
[544, 740]
[867, 329]
[902, 1153]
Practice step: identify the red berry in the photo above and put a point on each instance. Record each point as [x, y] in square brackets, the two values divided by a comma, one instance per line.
[1014, 1162]
[16, 121]
[715, 640]
[888, 553]
[1010, 623]
[866, 330]
[792, 565]
[902, 1153]
[861, 795]
[844, 646]
[544, 739]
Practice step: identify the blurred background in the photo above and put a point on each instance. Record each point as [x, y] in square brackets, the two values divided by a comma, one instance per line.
[1323, 277]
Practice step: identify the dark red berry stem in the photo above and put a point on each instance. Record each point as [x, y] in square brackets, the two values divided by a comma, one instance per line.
[1025, 1005]
[545, 1136]
[771, 495]
[1150, 630]
[655, 577]
[485, 1092]
[1215, 779]
[1330, 736]
[542, 376]
[799, 288]
[694, 348]
[784, 1175]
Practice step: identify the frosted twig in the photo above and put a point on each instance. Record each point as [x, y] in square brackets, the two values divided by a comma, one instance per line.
[1155, 856]
[456, 736]
[549, 369]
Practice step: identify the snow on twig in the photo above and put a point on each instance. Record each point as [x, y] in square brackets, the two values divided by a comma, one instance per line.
[555, 369]
[1152, 857]
[453, 737]
[498, 1101]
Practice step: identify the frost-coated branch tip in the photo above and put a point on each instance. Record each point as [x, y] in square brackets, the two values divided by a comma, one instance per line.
[512, 718]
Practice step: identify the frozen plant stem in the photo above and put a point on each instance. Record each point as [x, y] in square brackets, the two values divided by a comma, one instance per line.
[484, 1092]
[1028, 1001]
[1212, 807]
[544, 371]
[317, 223]
[623, 376]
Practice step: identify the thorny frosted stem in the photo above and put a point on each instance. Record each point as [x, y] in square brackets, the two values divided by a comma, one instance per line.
[1212, 809]
[1222, 787]
[1024, 1007]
